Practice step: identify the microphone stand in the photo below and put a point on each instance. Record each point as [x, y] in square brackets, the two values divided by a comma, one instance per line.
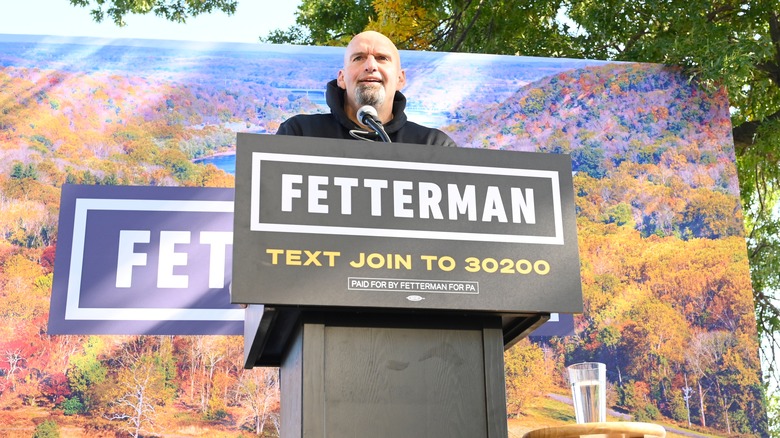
[368, 116]
[378, 128]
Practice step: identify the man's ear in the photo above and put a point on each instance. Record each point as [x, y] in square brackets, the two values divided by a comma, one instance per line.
[340, 80]
[401, 79]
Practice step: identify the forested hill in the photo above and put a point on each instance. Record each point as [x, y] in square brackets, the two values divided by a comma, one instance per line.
[648, 147]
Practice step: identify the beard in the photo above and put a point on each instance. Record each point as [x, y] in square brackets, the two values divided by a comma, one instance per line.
[370, 94]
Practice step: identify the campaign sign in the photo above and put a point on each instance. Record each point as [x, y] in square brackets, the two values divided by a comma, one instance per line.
[342, 223]
[144, 260]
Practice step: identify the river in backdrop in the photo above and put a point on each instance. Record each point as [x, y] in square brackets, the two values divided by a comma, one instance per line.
[225, 162]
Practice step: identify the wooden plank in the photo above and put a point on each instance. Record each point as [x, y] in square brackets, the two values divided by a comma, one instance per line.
[291, 384]
[314, 380]
[495, 386]
[404, 382]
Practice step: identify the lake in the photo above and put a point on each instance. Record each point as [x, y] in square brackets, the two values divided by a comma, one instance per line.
[224, 162]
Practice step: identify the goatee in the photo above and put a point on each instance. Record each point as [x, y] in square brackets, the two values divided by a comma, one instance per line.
[370, 95]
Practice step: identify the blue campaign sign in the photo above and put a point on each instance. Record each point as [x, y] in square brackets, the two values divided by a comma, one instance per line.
[144, 260]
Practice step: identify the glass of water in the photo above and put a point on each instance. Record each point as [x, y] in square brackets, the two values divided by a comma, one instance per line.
[589, 391]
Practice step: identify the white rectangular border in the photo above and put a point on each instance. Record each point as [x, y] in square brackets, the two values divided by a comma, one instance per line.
[405, 291]
[256, 225]
[83, 206]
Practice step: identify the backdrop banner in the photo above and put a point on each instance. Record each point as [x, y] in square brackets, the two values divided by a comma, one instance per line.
[666, 291]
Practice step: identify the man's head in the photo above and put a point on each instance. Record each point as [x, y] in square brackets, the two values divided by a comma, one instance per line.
[371, 75]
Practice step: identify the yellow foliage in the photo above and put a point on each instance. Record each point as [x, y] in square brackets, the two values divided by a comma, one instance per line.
[20, 286]
[19, 216]
[402, 22]
[30, 189]
[211, 176]
[528, 375]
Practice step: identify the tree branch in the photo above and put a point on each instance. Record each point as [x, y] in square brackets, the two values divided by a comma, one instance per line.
[465, 31]
[744, 134]
[632, 40]
[774, 34]
[720, 12]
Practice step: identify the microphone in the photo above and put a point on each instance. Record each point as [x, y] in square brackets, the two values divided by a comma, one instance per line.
[366, 113]
[368, 116]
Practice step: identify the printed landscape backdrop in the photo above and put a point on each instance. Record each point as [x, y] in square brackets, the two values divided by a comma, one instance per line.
[668, 303]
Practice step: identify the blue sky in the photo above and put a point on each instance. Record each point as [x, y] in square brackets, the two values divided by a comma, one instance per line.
[253, 18]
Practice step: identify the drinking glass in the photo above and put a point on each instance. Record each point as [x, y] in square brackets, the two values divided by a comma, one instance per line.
[589, 390]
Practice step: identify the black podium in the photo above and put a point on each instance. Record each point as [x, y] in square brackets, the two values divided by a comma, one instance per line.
[387, 280]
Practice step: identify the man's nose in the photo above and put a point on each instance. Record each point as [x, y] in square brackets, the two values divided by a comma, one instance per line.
[370, 64]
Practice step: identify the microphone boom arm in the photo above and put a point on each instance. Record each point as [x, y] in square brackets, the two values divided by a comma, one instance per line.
[378, 128]
[368, 116]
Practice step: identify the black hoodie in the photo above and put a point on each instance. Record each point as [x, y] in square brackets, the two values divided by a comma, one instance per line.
[338, 125]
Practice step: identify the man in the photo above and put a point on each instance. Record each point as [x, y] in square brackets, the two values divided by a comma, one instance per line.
[372, 75]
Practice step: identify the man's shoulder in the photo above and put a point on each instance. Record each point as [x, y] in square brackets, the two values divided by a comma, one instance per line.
[415, 133]
[307, 124]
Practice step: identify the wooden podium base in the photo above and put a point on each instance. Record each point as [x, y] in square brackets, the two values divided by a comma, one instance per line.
[373, 375]
[378, 374]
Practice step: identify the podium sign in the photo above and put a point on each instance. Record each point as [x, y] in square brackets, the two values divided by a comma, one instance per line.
[340, 223]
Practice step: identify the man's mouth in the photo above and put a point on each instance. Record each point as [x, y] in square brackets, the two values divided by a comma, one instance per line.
[371, 81]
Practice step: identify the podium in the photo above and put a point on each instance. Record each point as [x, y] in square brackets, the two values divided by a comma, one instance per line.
[386, 280]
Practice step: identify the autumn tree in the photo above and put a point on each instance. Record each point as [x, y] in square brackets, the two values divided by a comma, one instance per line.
[526, 375]
[14, 356]
[258, 391]
[202, 361]
[702, 356]
[657, 336]
[136, 394]
[55, 388]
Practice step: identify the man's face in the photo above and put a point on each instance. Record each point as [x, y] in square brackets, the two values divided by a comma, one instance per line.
[372, 72]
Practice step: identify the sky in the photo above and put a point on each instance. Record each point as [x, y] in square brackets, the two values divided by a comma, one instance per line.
[253, 18]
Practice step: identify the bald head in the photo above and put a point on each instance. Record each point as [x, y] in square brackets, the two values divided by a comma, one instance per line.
[373, 39]
[371, 74]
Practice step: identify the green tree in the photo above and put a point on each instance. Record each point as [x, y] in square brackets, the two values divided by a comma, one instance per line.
[20, 171]
[47, 429]
[621, 215]
[87, 373]
[326, 22]
[486, 26]
[774, 415]
[174, 10]
[72, 406]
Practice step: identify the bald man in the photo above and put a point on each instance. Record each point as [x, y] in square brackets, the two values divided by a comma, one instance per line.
[372, 75]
